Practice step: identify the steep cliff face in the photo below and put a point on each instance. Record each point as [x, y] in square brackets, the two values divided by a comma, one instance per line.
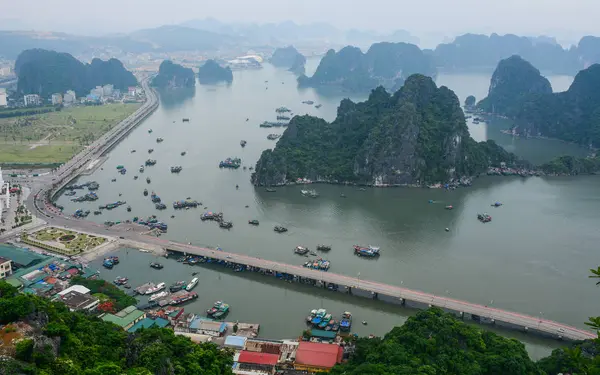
[384, 64]
[416, 136]
[212, 72]
[172, 76]
[287, 58]
[513, 81]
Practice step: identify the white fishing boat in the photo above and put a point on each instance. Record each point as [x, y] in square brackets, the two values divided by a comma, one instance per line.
[192, 284]
[158, 296]
[157, 288]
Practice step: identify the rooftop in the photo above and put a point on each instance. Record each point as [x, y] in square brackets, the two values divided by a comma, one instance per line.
[75, 288]
[124, 317]
[77, 301]
[318, 355]
[235, 341]
[258, 358]
[149, 322]
[208, 325]
[323, 334]
[4, 260]
[20, 257]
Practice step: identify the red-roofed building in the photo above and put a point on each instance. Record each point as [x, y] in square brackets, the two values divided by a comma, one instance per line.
[316, 356]
[257, 361]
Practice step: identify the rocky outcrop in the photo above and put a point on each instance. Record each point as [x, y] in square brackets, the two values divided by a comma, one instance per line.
[416, 136]
[172, 76]
[212, 72]
[290, 58]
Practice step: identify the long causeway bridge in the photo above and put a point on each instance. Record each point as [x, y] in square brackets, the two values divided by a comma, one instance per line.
[392, 293]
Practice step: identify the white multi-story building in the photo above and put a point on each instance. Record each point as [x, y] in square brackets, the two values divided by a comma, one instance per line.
[5, 268]
[69, 97]
[31, 99]
[57, 99]
[5, 71]
[98, 91]
[107, 90]
[3, 100]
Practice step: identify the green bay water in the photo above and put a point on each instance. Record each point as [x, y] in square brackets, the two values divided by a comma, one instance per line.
[532, 258]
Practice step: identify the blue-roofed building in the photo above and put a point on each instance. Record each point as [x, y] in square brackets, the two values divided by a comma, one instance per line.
[149, 322]
[208, 327]
[235, 342]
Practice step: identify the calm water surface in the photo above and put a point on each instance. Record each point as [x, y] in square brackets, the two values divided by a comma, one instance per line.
[533, 257]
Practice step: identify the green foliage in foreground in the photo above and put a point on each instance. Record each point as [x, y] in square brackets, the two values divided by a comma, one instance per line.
[120, 298]
[571, 165]
[66, 343]
[433, 342]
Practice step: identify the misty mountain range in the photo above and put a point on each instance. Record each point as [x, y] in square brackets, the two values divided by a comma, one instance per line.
[465, 52]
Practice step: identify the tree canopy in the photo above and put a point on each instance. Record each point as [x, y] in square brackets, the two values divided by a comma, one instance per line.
[71, 343]
[46, 72]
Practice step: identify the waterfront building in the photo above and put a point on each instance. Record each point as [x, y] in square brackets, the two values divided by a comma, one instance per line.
[235, 342]
[5, 268]
[57, 99]
[78, 298]
[208, 327]
[4, 196]
[125, 318]
[255, 362]
[3, 98]
[149, 322]
[32, 100]
[317, 357]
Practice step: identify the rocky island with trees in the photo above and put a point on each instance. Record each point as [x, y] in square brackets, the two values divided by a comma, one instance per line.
[45, 72]
[417, 136]
[384, 64]
[211, 72]
[172, 76]
[290, 58]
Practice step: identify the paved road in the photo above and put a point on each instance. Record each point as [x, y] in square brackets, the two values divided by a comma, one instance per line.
[38, 204]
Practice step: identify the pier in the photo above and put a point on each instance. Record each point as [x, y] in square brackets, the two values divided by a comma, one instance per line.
[399, 295]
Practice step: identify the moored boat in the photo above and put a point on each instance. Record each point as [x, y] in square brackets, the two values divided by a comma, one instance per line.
[177, 286]
[279, 229]
[156, 266]
[301, 250]
[226, 224]
[145, 192]
[253, 222]
[158, 296]
[155, 288]
[346, 322]
[221, 312]
[366, 251]
[324, 247]
[243, 143]
[120, 280]
[192, 284]
[484, 218]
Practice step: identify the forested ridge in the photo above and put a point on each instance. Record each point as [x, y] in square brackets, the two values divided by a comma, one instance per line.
[212, 72]
[45, 72]
[171, 75]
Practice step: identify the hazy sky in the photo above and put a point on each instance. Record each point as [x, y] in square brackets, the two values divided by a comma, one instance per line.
[418, 16]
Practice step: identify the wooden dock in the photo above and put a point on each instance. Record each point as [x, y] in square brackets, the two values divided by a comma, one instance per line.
[461, 308]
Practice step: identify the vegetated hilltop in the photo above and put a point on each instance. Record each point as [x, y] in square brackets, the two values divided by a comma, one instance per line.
[171, 75]
[45, 72]
[513, 81]
[212, 72]
[416, 136]
[434, 342]
[54, 341]
[290, 58]
[525, 96]
[384, 64]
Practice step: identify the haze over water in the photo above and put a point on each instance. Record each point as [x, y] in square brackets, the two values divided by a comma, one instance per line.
[532, 258]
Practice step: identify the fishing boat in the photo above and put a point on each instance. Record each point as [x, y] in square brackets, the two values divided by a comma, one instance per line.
[149, 131]
[309, 318]
[346, 322]
[243, 143]
[484, 218]
[449, 207]
[496, 204]
[176, 169]
[318, 264]
[128, 208]
[97, 212]
[158, 296]
[226, 224]
[177, 286]
[192, 284]
[301, 250]
[280, 229]
[185, 119]
[366, 251]
[318, 106]
[253, 222]
[270, 190]
[145, 192]
[120, 280]
[150, 162]
[215, 308]
[283, 117]
[309, 102]
[318, 318]
[183, 298]
[141, 169]
[148, 180]
[324, 247]
[223, 310]
[233, 163]
[70, 193]
[183, 153]
[135, 177]
[158, 140]
[150, 150]
[273, 137]
[309, 193]
[132, 151]
[156, 288]
[156, 266]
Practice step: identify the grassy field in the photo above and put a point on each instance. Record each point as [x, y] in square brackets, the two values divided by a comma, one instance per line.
[56, 136]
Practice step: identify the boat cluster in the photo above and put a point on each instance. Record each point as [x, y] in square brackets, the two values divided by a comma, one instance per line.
[325, 321]
[150, 162]
[283, 118]
[273, 124]
[233, 163]
[110, 206]
[318, 264]
[185, 204]
[81, 213]
[310, 193]
[283, 110]
[218, 217]
[121, 169]
[158, 140]
[89, 197]
[218, 311]
[280, 229]
[176, 169]
[110, 262]
[484, 218]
